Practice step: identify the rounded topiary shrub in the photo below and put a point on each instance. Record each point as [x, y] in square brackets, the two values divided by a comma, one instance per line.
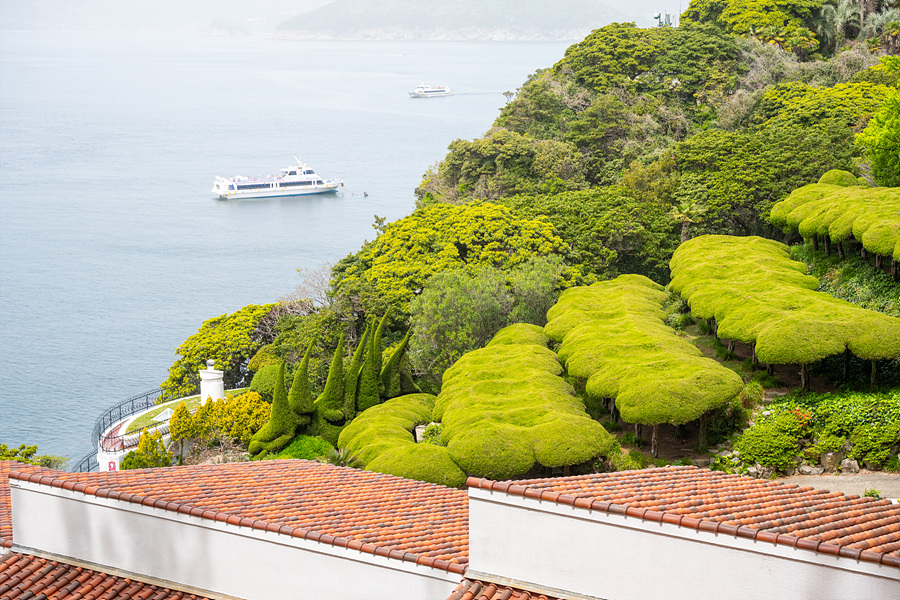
[838, 177]
[424, 462]
[263, 382]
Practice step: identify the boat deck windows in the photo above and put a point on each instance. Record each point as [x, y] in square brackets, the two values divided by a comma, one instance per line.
[254, 186]
[294, 183]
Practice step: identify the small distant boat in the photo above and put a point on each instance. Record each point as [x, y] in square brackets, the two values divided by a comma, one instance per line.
[430, 91]
[293, 181]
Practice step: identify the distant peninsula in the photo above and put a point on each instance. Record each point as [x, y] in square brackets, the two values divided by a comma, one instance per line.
[462, 20]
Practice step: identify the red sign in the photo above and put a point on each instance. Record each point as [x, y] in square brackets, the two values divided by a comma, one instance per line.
[112, 465]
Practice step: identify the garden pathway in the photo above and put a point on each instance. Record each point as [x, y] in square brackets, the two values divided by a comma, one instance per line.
[888, 484]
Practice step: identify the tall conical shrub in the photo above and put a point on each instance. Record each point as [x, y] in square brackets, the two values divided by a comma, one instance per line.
[390, 374]
[279, 431]
[300, 399]
[376, 341]
[351, 377]
[368, 395]
[331, 402]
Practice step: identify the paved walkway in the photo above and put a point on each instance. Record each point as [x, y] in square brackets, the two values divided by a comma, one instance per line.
[888, 484]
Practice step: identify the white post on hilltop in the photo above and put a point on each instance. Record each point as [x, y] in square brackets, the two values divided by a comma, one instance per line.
[212, 383]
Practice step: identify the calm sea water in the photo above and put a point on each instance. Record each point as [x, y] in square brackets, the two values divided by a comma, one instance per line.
[112, 248]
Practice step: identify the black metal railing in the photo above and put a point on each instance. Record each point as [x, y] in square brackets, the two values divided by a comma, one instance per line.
[87, 464]
[123, 409]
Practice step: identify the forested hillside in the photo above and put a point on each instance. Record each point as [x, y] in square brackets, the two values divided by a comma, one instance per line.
[650, 195]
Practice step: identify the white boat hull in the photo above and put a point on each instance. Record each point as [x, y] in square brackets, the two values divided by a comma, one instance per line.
[328, 188]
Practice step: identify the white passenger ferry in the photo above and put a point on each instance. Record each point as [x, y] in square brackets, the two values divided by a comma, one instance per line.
[430, 91]
[293, 181]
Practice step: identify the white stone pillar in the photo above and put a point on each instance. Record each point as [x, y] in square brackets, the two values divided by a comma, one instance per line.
[212, 383]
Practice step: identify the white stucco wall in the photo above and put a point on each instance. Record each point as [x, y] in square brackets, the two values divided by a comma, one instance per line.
[209, 555]
[614, 557]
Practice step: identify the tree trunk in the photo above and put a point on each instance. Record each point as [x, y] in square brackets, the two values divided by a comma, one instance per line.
[840, 247]
[654, 442]
[637, 431]
[827, 240]
[815, 239]
[754, 357]
[685, 230]
[873, 380]
[846, 364]
[877, 261]
[731, 346]
[770, 369]
[704, 427]
[895, 270]
[614, 413]
[770, 231]
[804, 377]
[862, 253]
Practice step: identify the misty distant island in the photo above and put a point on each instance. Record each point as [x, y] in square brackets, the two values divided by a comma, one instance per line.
[461, 20]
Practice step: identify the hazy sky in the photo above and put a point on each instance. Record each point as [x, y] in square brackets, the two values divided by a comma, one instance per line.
[239, 16]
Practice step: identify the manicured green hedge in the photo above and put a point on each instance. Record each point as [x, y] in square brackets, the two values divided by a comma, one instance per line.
[505, 408]
[613, 335]
[381, 439]
[756, 293]
[843, 210]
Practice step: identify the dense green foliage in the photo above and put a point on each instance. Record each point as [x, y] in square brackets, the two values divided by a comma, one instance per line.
[870, 215]
[505, 408]
[381, 439]
[230, 340]
[440, 238]
[739, 176]
[782, 22]
[882, 140]
[797, 103]
[149, 453]
[756, 293]
[613, 335]
[607, 230]
[864, 427]
[462, 310]
[613, 56]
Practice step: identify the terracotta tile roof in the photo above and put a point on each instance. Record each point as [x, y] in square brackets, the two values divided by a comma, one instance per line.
[6, 466]
[471, 589]
[370, 512]
[23, 576]
[826, 522]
